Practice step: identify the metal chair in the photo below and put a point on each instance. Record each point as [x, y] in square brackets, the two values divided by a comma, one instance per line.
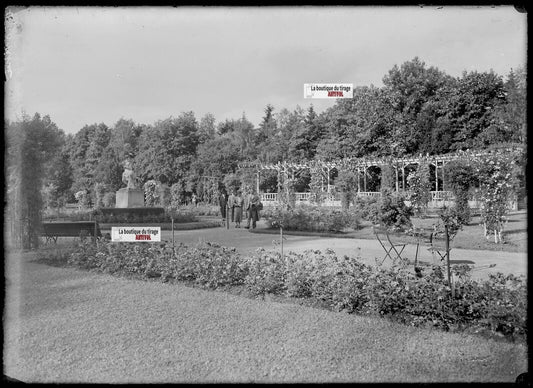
[391, 248]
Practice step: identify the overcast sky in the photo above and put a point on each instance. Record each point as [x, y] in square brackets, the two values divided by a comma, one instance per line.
[85, 65]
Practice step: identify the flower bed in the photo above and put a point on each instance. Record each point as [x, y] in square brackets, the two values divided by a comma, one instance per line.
[311, 218]
[497, 305]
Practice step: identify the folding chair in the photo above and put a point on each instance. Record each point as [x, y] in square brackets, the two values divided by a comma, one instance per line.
[395, 249]
[423, 236]
[437, 247]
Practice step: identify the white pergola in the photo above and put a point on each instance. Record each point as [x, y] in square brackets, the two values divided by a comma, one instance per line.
[361, 165]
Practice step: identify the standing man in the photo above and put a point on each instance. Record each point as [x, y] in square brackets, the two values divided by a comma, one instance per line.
[222, 204]
[246, 206]
[237, 204]
[231, 205]
[253, 212]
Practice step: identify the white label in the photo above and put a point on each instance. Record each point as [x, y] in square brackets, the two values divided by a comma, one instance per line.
[136, 233]
[328, 90]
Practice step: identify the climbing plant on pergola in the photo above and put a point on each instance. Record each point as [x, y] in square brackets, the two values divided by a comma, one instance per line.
[361, 166]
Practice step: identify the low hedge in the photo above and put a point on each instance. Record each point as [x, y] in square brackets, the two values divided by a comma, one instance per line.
[497, 305]
[311, 218]
[133, 216]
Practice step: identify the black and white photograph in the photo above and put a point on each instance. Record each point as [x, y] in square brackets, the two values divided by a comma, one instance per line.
[265, 194]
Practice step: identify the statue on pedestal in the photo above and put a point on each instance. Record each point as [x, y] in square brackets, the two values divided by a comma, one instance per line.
[128, 176]
[129, 196]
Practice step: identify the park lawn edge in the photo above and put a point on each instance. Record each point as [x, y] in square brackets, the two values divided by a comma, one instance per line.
[241, 291]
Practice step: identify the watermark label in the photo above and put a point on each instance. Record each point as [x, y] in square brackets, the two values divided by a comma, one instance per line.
[328, 90]
[136, 233]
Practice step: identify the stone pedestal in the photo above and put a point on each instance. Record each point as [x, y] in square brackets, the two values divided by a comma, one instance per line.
[129, 198]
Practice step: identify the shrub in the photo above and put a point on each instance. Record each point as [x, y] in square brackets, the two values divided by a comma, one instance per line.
[346, 183]
[392, 211]
[420, 187]
[461, 178]
[182, 216]
[387, 178]
[164, 195]
[265, 273]
[109, 199]
[311, 218]
[498, 304]
[315, 187]
[207, 265]
[201, 210]
[152, 192]
[82, 197]
[367, 207]
[177, 195]
[143, 215]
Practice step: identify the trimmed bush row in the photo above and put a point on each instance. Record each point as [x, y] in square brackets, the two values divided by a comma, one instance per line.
[133, 217]
[184, 214]
[311, 218]
[389, 210]
[498, 304]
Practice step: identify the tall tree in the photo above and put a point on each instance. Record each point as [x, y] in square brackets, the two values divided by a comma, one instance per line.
[508, 118]
[125, 136]
[216, 158]
[244, 137]
[470, 106]
[60, 178]
[86, 149]
[267, 126]
[360, 126]
[305, 136]
[31, 146]
[241, 134]
[109, 169]
[168, 149]
[206, 129]
[410, 87]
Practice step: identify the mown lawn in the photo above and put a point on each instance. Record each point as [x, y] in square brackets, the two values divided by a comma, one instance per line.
[67, 325]
[471, 236]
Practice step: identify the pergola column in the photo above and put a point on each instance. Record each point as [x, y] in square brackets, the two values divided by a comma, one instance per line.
[443, 175]
[436, 176]
[364, 178]
[396, 168]
[403, 177]
[279, 180]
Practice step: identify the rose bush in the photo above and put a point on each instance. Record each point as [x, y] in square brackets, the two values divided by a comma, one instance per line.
[498, 304]
[311, 218]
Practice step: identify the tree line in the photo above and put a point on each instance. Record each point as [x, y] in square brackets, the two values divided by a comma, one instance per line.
[418, 110]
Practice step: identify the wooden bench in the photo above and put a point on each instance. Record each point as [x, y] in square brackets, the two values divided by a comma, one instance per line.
[81, 229]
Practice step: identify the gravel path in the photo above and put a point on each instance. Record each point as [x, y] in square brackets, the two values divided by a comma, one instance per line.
[67, 325]
[367, 250]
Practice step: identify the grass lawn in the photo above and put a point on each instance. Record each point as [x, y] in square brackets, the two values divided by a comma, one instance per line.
[67, 325]
[470, 237]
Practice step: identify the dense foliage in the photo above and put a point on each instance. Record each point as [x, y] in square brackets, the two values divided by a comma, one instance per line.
[496, 175]
[498, 304]
[32, 147]
[419, 110]
[420, 188]
[311, 218]
[391, 211]
[461, 178]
